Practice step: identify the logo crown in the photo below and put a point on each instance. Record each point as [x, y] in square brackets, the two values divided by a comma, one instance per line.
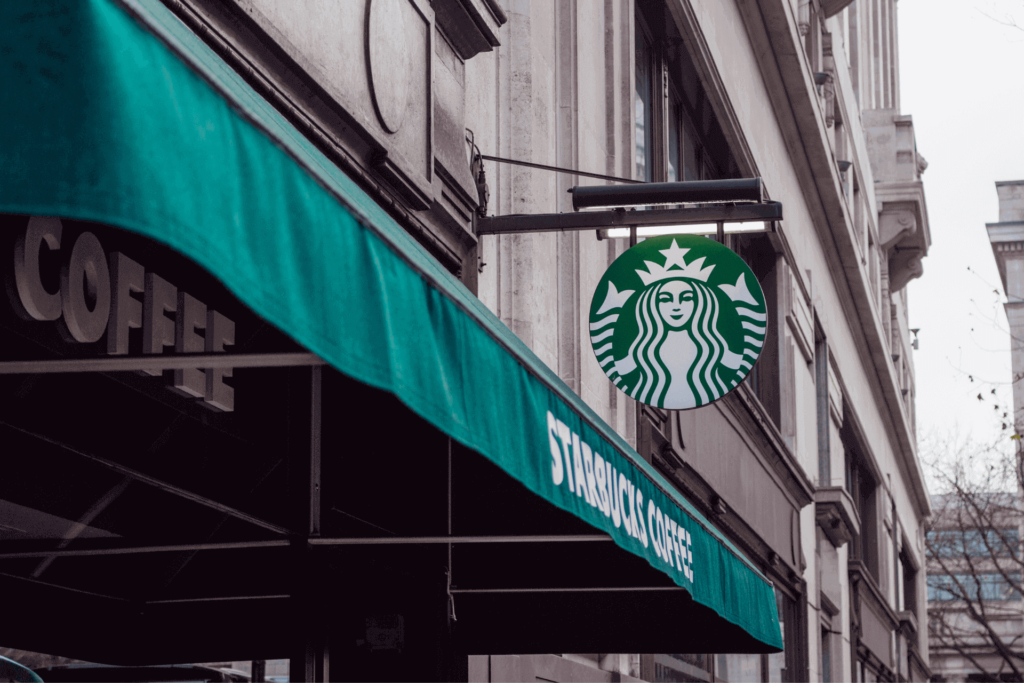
[675, 266]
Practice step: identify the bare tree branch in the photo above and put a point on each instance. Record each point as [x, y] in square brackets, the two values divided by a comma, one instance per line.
[974, 558]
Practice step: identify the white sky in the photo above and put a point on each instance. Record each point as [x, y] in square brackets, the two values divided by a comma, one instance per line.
[962, 79]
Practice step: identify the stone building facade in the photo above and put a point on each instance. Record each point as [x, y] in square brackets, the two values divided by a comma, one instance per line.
[810, 467]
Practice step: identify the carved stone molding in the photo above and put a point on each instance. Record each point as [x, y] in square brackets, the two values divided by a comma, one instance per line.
[804, 19]
[832, 7]
[901, 242]
[471, 25]
[904, 267]
[902, 239]
[894, 224]
[387, 57]
[836, 515]
[1007, 239]
[828, 88]
[908, 623]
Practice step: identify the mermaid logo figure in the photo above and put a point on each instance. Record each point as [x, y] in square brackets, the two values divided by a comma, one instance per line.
[681, 333]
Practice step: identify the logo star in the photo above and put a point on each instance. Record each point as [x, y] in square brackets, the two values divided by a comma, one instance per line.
[674, 256]
[614, 298]
[739, 291]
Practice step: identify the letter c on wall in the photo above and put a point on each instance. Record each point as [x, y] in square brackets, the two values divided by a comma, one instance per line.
[37, 302]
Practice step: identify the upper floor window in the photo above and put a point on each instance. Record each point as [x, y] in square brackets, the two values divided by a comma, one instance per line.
[642, 101]
[984, 586]
[864, 491]
[677, 135]
[953, 543]
[821, 400]
[758, 253]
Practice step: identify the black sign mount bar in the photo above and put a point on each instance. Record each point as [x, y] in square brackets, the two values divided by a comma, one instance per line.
[649, 194]
[558, 169]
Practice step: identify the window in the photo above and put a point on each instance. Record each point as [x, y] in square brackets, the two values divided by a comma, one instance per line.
[777, 663]
[758, 253]
[676, 173]
[678, 137]
[876, 287]
[848, 469]
[775, 668]
[858, 211]
[864, 490]
[812, 41]
[644, 89]
[867, 508]
[949, 543]
[821, 395]
[739, 668]
[678, 668]
[987, 586]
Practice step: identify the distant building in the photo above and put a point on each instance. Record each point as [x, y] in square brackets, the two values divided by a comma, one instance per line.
[960, 649]
[974, 569]
[1007, 238]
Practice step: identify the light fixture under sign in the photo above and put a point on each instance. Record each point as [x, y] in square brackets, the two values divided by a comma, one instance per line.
[694, 220]
[686, 229]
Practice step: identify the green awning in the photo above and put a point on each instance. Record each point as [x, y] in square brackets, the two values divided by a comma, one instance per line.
[117, 113]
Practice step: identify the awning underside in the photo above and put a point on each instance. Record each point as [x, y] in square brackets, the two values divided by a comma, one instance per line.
[127, 134]
[146, 479]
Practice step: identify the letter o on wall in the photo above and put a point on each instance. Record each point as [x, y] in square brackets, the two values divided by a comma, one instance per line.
[84, 277]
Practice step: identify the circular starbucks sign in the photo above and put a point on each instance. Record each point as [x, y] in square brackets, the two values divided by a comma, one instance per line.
[678, 321]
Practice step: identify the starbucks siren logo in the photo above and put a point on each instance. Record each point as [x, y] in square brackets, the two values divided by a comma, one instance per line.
[678, 321]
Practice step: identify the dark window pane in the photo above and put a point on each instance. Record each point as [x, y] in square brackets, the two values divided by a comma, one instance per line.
[988, 586]
[691, 169]
[821, 392]
[826, 656]
[643, 107]
[674, 170]
[948, 543]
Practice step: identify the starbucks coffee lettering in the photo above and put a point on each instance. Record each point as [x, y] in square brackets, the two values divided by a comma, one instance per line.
[587, 475]
[112, 294]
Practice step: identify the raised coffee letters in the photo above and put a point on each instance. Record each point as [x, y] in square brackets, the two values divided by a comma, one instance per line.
[97, 295]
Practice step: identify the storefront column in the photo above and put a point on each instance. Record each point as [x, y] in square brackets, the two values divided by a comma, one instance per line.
[310, 652]
[454, 661]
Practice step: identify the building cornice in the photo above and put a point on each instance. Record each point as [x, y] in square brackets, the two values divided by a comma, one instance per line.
[1007, 238]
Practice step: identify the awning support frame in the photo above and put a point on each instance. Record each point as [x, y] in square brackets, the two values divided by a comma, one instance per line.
[177, 361]
[284, 543]
[151, 481]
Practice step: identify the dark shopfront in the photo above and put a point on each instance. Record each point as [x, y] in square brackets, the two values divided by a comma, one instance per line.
[361, 465]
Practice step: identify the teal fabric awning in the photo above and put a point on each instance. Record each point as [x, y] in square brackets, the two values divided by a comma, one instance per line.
[117, 113]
